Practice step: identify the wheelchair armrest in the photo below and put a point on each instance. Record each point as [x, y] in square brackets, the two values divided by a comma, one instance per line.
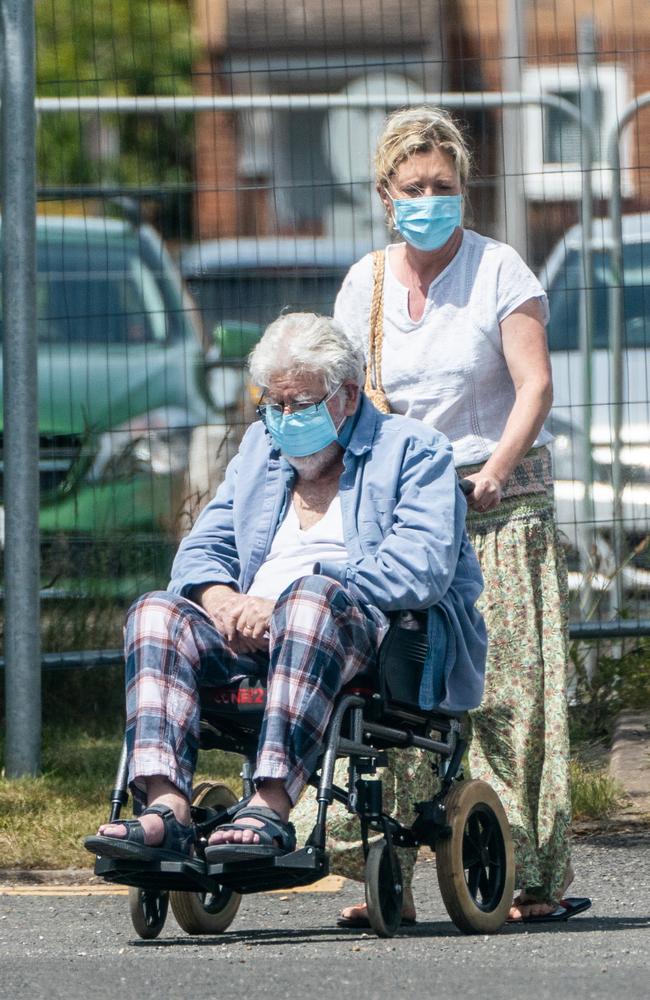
[400, 664]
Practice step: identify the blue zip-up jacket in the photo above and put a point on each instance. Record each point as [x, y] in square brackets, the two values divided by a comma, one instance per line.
[404, 528]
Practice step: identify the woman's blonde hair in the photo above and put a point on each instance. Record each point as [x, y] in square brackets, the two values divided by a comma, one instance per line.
[419, 130]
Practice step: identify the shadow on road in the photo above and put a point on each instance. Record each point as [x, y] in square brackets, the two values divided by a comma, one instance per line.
[423, 930]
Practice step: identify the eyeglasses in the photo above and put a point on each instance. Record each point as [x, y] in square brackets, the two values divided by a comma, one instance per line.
[265, 406]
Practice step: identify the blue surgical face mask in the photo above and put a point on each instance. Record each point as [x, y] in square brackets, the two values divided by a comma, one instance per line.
[304, 432]
[428, 222]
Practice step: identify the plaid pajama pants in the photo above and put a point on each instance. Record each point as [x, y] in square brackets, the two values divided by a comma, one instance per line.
[319, 639]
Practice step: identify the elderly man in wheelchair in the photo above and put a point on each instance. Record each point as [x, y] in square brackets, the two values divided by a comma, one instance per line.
[332, 522]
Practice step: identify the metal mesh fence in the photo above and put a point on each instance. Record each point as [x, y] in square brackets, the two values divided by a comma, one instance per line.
[223, 150]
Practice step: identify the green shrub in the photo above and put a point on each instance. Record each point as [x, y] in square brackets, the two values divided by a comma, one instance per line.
[594, 793]
[618, 679]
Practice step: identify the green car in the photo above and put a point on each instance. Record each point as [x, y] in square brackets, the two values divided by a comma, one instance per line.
[127, 380]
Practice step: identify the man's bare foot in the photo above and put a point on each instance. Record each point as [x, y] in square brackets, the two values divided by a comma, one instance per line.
[271, 795]
[524, 905]
[159, 792]
[360, 911]
[153, 826]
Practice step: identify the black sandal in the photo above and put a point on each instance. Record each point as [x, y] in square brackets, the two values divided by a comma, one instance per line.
[176, 845]
[276, 837]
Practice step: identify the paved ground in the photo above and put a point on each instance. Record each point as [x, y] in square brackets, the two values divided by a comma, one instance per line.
[75, 940]
[84, 947]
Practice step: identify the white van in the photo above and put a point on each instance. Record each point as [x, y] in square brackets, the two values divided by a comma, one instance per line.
[563, 278]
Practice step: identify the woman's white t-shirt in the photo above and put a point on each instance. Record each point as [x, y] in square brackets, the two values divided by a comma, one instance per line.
[448, 368]
[295, 551]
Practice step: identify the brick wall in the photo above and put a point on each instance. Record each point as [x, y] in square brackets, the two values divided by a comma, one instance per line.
[622, 38]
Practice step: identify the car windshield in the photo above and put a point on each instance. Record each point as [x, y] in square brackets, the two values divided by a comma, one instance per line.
[565, 294]
[260, 296]
[92, 295]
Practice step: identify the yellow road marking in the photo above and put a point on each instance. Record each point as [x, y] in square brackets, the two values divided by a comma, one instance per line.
[64, 890]
[332, 883]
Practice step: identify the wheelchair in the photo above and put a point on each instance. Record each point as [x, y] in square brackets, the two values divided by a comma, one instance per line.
[463, 823]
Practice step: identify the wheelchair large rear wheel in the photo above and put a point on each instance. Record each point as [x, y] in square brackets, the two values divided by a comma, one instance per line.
[148, 909]
[475, 864]
[207, 912]
[384, 890]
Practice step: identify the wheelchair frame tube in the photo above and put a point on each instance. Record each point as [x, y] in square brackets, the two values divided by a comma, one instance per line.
[324, 795]
[119, 794]
[407, 739]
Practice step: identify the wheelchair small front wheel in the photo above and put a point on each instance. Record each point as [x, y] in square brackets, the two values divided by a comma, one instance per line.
[207, 912]
[148, 908]
[384, 889]
[475, 864]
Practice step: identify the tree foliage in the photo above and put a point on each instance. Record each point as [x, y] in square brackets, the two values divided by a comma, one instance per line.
[107, 48]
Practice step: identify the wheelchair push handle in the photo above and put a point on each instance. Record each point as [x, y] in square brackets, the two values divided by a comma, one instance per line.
[467, 486]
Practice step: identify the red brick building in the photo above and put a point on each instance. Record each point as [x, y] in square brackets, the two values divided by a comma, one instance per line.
[306, 171]
[271, 172]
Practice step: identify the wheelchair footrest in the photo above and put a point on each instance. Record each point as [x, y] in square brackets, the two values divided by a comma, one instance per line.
[301, 867]
[180, 876]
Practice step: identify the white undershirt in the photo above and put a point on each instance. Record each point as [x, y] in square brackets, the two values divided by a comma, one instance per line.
[295, 551]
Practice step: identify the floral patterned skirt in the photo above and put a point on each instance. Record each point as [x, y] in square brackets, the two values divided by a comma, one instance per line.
[520, 742]
[520, 733]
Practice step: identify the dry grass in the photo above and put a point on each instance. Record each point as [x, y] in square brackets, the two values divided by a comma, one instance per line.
[594, 793]
[43, 820]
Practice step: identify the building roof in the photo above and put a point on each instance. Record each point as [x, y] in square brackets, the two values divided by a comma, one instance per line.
[270, 253]
[331, 23]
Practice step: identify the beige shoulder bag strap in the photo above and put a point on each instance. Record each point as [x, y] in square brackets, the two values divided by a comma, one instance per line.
[373, 387]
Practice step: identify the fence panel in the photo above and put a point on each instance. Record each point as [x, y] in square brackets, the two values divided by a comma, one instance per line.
[225, 150]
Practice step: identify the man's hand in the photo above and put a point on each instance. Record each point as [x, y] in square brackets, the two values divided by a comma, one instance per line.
[242, 620]
[254, 620]
[224, 605]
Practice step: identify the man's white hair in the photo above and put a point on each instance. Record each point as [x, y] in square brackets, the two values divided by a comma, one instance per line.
[299, 343]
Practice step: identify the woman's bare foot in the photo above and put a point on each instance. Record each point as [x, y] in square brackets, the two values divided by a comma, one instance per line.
[360, 911]
[524, 905]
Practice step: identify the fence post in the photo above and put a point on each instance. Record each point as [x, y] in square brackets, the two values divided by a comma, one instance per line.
[513, 201]
[20, 445]
[586, 65]
[616, 330]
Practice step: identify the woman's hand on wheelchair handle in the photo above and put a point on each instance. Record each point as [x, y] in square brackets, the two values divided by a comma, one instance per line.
[486, 494]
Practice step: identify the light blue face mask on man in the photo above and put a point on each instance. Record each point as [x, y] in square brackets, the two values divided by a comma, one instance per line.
[428, 222]
[303, 432]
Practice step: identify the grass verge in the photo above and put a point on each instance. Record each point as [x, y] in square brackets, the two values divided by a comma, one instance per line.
[594, 793]
[43, 820]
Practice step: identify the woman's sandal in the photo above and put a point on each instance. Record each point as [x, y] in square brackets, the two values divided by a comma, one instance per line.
[567, 907]
[276, 837]
[176, 845]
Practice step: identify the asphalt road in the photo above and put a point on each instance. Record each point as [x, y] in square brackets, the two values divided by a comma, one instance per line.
[83, 946]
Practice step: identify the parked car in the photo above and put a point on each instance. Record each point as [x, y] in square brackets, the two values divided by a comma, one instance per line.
[562, 276]
[126, 378]
[253, 279]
